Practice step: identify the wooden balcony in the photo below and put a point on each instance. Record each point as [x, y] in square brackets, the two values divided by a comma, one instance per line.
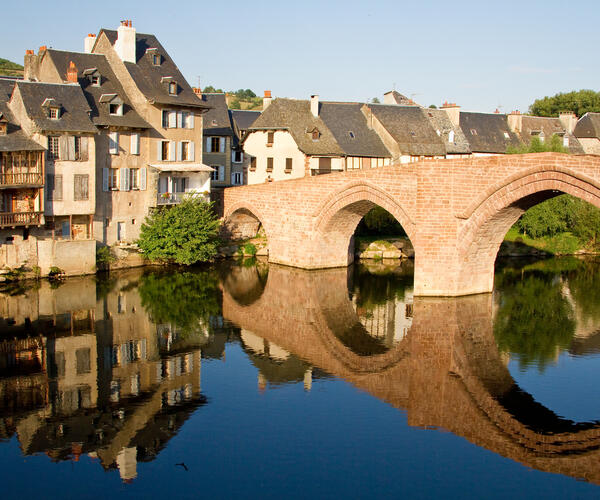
[21, 179]
[12, 219]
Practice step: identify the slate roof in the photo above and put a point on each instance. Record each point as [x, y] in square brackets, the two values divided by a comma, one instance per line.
[344, 119]
[74, 116]
[410, 128]
[440, 121]
[216, 120]
[588, 126]
[148, 77]
[15, 139]
[398, 98]
[243, 118]
[487, 132]
[109, 84]
[534, 125]
[295, 116]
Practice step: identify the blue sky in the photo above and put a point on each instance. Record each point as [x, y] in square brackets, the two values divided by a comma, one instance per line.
[479, 54]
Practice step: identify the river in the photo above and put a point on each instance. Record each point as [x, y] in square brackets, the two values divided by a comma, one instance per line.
[253, 380]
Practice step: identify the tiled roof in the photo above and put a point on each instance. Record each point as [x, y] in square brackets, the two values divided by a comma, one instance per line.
[588, 126]
[487, 132]
[244, 118]
[349, 127]
[149, 77]
[109, 84]
[15, 139]
[410, 128]
[441, 123]
[535, 125]
[74, 115]
[216, 120]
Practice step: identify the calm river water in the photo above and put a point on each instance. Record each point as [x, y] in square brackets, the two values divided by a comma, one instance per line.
[248, 380]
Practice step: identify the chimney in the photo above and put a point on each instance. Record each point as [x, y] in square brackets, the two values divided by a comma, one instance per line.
[453, 112]
[515, 122]
[568, 120]
[31, 65]
[388, 98]
[72, 73]
[88, 43]
[125, 44]
[197, 91]
[267, 99]
[314, 105]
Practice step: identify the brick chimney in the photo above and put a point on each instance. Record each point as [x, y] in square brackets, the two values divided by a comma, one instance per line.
[72, 73]
[267, 99]
[197, 91]
[88, 43]
[125, 44]
[515, 122]
[314, 105]
[453, 111]
[568, 120]
[31, 65]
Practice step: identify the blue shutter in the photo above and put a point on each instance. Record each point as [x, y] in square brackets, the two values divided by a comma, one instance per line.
[192, 152]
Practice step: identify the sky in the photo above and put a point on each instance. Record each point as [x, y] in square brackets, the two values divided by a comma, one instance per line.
[481, 55]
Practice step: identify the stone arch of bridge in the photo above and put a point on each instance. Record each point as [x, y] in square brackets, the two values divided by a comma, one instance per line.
[243, 220]
[489, 218]
[338, 216]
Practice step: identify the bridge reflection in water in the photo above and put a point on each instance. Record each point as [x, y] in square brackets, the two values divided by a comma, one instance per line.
[112, 369]
[446, 373]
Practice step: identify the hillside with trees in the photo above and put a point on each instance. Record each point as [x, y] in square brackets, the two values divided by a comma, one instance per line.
[8, 68]
[238, 99]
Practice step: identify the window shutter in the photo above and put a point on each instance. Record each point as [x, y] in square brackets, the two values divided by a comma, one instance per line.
[83, 153]
[113, 143]
[49, 186]
[124, 174]
[179, 151]
[159, 150]
[192, 152]
[172, 148]
[208, 145]
[80, 187]
[63, 148]
[135, 144]
[232, 156]
[57, 188]
[190, 120]
[221, 173]
[142, 179]
[179, 119]
[232, 178]
[71, 147]
[172, 119]
[222, 145]
[105, 179]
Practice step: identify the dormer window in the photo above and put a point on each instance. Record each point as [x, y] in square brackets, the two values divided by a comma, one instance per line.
[53, 113]
[93, 75]
[506, 135]
[351, 134]
[172, 88]
[170, 83]
[155, 57]
[451, 136]
[315, 134]
[156, 60]
[115, 109]
[114, 103]
[52, 108]
[3, 124]
[214, 123]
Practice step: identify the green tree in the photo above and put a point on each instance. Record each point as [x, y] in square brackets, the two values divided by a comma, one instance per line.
[375, 100]
[432, 106]
[185, 234]
[379, 221]
[554, 145]
[212, 90]
[577, 101]
[235, 104]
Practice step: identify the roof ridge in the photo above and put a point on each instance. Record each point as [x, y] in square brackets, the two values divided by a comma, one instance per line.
[69, 84]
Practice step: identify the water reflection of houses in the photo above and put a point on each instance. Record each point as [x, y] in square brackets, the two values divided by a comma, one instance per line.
[98, 377]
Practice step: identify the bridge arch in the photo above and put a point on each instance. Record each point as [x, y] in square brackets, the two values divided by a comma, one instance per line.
[244, 220]
[338, 216]
[488, 218]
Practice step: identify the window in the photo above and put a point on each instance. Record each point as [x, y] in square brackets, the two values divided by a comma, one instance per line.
[172, 88]
[53, 148]
[324, 165]
[113, 177]
[215, 144]
[269, 164]
[82, 357]
[288, 165]
[270, 138]
[238, 156]
[54, 187]
[53, 113]
[165, 151]
[113, 143]
[156, 60]
[165, 118]
[351, 134]
[214, 123]
[115, 109]
[188, 119]
[218, 174]
[95, 80]
[473, 131]
[186, 151]
[180, 184]
[81, 187]
[78, 149]
[236, 178]
[253, 164]
[565, 141]
[451, 136]
[506, 136]
[134, 178]
[134, 148]
[315, 135]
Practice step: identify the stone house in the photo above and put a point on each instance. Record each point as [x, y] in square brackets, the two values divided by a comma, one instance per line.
[241, 121]
[487, 133]
[587, 132]
[449, 132]
[296, 138]
[528, 127]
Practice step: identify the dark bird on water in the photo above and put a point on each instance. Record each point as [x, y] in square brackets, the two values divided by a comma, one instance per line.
[182, 465]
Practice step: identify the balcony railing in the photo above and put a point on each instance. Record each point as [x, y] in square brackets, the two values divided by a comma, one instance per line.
[174, 198]
[21, 179]
[20, 218]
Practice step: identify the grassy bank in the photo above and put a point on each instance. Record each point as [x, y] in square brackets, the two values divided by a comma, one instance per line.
[516, 243]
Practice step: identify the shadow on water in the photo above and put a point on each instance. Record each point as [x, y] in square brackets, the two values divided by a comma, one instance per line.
[112, 367]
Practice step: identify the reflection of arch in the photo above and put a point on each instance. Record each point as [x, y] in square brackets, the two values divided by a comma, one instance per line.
[245, 284]
[342, 210]
[489, 217]
[243, 220]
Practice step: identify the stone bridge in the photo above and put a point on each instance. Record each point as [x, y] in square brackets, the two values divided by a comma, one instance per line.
[447, 373]
[455, 212]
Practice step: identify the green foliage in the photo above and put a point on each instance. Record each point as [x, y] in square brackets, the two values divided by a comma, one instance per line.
[185, 234]
[104, 256]
[432, 106]
[579, 102]
[37, 271]
[235, 104]
[379, 222]
[554, 145]
[250, 249]
[185, 299]
[534, 320]
[375, 100]
[55, 272]
[244, 94]
[8, 68]
[212, 90]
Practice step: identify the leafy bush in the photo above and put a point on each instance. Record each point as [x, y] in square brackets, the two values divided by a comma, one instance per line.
[249, 249]
[379, 221]
[185, 234]
[55, 272]
[104, 256]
